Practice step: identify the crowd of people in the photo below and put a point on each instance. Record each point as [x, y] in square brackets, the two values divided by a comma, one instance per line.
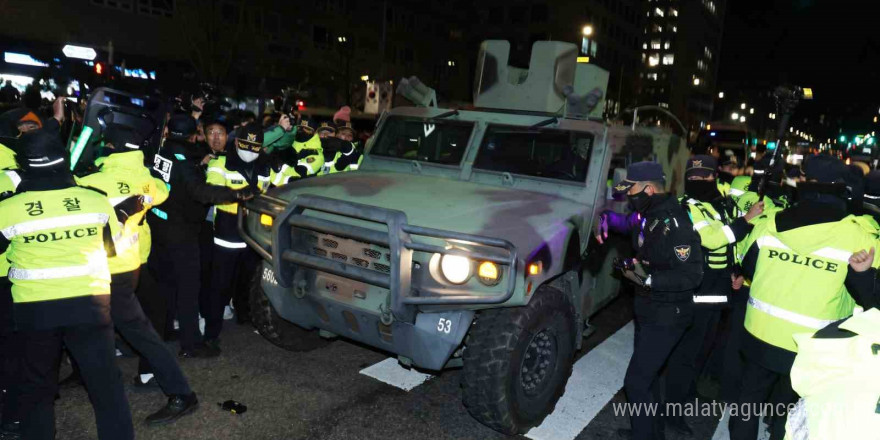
[146, 247]
[732, 281]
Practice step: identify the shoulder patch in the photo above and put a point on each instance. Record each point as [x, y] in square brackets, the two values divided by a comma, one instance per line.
[683, 252]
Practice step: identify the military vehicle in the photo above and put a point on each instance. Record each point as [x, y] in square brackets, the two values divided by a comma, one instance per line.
[464, 240]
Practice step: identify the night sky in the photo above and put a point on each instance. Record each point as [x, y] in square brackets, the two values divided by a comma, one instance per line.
[831, 46]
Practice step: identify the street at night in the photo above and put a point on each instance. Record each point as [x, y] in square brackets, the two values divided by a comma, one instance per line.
[439, 219]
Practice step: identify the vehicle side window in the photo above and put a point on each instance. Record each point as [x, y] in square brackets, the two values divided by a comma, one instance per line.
[442, 142]
[550, 153]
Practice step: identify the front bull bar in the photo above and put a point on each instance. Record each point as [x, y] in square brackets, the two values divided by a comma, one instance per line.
[398, 240]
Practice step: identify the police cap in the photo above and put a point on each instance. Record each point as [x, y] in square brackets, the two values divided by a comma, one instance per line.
[640, 172]
[701, 166]
[40, 150]
[250, 137]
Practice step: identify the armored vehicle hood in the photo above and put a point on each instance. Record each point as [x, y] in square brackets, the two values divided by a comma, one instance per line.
[526, 219]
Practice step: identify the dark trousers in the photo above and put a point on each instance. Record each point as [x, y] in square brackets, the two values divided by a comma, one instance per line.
[206, 260]
[757, 384]
[658, 331]
[155, 306]
[93, 349]
[175, 264]
[689, 356]
[732, 371]
[10, 353]
[133, 325]
[231, 275]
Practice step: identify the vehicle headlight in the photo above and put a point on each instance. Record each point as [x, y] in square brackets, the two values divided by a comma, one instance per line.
[455, 268]
[489, 273]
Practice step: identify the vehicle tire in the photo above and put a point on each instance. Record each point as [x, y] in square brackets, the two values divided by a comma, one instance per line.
[276, 329]
[518, 360]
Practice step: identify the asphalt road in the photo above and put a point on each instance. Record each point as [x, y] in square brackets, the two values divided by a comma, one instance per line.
[323, 394]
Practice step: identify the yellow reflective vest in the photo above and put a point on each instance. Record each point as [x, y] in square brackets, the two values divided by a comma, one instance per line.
[839, 384]
[219, 175]
[121, 176]
[310, 154]
[798, 285]
[9, 181]
[7, 158]
[716, 236]
[57, 255]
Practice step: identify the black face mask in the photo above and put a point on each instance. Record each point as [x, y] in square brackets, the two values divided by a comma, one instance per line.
[725, 177]
[640, 201]
[702, 190]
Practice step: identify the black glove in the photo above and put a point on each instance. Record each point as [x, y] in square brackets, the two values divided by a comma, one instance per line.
[129, 207]
[247, 193]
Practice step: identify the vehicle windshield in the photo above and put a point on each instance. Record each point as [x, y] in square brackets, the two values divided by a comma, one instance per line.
[441, 142]
[549, 153]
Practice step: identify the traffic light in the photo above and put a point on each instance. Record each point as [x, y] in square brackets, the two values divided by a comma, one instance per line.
[99, 68]
[771, 146]
[842, 138]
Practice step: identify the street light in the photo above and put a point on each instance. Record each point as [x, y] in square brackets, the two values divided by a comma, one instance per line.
[752, 111]
[734, 116]
[742, 106]
[696, 81]
[365, 77]
[742, 119]
[720, 95]
[587, 30]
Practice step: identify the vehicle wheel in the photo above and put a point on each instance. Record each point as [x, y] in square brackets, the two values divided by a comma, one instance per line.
[276, 329]
[518, 360]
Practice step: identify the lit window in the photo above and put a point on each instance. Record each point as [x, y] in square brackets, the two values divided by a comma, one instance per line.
[654, 60]
[658, 28]
[644, 45]
[658, 12]
[697, 81]
[652, 76]
[710, 5]
[655, 44]
[675, 29]
[701, 65]
[673, 12]
[667, 45]
[668, 59]
[707, 52]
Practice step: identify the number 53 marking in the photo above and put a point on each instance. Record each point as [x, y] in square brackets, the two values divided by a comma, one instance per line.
[444, 325]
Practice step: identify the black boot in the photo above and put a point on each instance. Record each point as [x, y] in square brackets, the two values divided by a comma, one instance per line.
[177, 407]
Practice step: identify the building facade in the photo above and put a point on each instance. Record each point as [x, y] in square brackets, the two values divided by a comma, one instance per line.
[681, 50]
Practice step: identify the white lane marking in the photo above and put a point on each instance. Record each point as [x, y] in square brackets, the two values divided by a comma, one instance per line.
[722, 433]
[595, 379]
[392, 373]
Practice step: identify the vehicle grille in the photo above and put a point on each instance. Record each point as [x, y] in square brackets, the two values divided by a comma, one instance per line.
[348, 251]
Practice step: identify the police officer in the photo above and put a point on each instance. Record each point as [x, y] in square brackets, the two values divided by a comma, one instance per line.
[667, 271]
[797, 261]
[305, 159]
[175, 226]
[709, 213]
[59, 236]
[10, 345]
[234, 262]
[349, 157]
[132, 190]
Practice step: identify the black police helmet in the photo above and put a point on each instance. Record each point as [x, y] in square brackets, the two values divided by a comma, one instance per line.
[41, 150]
